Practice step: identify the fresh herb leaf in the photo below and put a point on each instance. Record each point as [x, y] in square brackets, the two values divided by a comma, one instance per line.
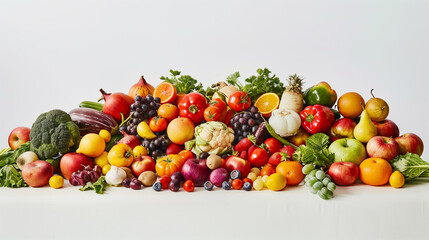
[184, 84]
[315, 152]
[255, 86]
[411, 166]
[11, 177]
[99, 186]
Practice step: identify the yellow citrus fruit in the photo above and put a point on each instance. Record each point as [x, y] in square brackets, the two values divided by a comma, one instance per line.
[267, 103]
[92, 145]
[139, 151]
[350, 105]
[144, 131]
[106, 168]
[276, 182]
[396, 179]
[56, 181]
[102, 159]
[105, 135]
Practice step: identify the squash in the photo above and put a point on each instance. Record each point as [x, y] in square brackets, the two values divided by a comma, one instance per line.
[167, 165]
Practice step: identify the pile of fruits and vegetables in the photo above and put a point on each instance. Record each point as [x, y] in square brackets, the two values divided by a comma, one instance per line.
[248, 134]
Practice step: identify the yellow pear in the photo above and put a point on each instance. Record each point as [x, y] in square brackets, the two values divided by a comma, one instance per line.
[365, 129]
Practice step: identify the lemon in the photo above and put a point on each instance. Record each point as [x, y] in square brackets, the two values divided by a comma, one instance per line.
[396, 179]
[143, 130]
[102, 159]
[276, 182]
[106, 168]
[92, 145]
[105, 135]
[56, 181]
[139, 151]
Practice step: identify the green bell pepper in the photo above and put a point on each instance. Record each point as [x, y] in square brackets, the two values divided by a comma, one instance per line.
[321, 94]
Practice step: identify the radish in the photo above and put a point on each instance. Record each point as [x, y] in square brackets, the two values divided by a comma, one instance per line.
[292, 98]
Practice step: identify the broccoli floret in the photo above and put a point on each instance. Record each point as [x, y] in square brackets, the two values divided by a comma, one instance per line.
[53, 132]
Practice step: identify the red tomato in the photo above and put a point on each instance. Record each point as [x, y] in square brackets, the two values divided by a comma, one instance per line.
[237, 184]
[247, 180]
[189, 186]
[186, 154]
[158, 124]
[165, 180]
[192, 106]
[239, 101]
[273, 145]
[212, 114]
[217, 102]
[258, 157]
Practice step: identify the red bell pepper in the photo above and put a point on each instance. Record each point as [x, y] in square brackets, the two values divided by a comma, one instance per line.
[317, 119]
[192, 106]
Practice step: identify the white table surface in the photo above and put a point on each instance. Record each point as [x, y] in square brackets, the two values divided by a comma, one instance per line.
[356, 212]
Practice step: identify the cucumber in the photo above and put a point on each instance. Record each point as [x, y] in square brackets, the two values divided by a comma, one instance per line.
[92, 105]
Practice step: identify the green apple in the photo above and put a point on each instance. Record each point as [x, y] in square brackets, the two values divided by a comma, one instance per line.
[348, 150]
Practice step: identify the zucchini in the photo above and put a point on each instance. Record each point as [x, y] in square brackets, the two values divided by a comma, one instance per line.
[92, 105]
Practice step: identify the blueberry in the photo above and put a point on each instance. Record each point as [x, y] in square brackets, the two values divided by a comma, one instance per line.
[208, 185]
[226, 185]
[157, 186]
[236, 174]
[247, 186]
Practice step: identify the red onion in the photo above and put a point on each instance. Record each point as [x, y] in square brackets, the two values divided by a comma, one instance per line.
[131, 140]
[196, 170]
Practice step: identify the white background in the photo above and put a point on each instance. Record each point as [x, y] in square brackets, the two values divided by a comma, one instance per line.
[55, 54]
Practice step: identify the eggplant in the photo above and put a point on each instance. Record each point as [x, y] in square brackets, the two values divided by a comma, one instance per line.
[260, 134]
[92, 121]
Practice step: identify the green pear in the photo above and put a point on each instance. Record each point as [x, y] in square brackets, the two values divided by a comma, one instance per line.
[365, 129]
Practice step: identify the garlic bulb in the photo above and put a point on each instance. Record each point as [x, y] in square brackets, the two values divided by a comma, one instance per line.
[285, 122]
[115, 175]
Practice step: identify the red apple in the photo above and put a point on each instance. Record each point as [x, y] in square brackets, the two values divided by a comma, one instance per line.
[410, 142]
[387, 128]
[196, 170]
[382, 147]
[37, 173]
[343, 173]
[142, 164]
[236, 163]
[18, 136]
[174, 148]
[72, 162]
[342, 128]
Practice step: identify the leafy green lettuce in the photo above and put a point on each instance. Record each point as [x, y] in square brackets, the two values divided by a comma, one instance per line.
[10, 174]
[315, 152]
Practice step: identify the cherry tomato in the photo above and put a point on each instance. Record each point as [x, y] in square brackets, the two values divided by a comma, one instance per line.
[247, 180]
[212, 114]
[273, 145]
[158, 124]
[186, 154]
[258, 157]
[165, 180]
[268, 169]
[217, 102]
[237, 184]
[239, 101]
[189, 186]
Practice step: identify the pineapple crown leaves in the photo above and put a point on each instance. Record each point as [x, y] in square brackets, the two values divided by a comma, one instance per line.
[295, 83]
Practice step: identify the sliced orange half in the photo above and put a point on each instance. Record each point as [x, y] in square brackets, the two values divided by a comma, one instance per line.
[166, 92]
[267, 103]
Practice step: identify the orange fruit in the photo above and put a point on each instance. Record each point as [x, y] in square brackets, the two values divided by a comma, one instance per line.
[268, 169]
[292, 171]
[168, 111]
[179, 97]
[166, 92]
[351, 105]
[180, 130]
[267, 103]
[375, 171]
